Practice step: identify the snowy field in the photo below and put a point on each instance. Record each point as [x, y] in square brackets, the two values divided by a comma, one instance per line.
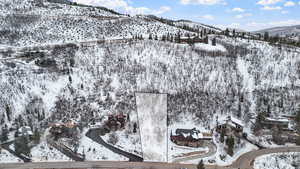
[152, 115]
[95, 152]
[6, 157]
[278, 161]
[129, 142]
[177, 152]
[44, 152]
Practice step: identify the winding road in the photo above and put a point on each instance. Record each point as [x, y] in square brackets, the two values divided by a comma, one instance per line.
[247, 159]
[94, 134]
[244, 162]
[212, 149]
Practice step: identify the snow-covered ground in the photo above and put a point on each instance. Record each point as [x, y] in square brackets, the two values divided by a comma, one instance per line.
[243, 148]
[44, 152]
[177, 152]
[95, 152]
[6, 157]
[127, 141]
[278, 161]
[209, 47]
[152, 115]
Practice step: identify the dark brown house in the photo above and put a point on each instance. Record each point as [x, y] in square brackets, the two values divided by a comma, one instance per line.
[189, 137]
[231, 126]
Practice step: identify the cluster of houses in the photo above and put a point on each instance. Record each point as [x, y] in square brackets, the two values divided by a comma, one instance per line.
[283, 128]
[194, 138]
[230, 126]
[24, 131]
[190, 137]
[67, 130]
[116, 122]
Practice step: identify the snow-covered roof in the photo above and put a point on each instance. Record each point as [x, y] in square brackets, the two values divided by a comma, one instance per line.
[236, 121]
[231, 121]
[205, 135]
[277, 119]
[25, 130]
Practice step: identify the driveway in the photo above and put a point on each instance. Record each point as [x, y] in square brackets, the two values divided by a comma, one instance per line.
[212, 149]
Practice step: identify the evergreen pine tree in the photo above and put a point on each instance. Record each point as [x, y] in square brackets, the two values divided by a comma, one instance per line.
[8, 113]
[21, 145]
[266, 36]
[230, 145]
[200, 165]
[227, 32]
[214, 42]
[4, 134]
[36, 136]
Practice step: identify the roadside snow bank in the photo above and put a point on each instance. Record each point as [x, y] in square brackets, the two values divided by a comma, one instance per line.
[278, 161]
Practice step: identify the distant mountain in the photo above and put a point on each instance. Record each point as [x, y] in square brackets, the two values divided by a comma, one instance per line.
[282, 31]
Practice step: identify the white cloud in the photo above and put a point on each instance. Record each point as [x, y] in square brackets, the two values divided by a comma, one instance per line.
[238, 10]
[284, 12]
[289, 3]
[268, 2]
[162, 10]
[202, 2]
[243, 15]
[207, 17]
[232, 25]
[123, 6]
[271, 8]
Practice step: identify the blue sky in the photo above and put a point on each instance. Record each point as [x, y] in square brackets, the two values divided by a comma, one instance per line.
[243, 14]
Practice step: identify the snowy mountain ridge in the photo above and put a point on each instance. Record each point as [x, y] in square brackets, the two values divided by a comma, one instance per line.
[283, 31]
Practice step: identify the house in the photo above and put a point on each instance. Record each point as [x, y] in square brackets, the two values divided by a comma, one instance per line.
[25, 131]
[231, 126]
[190, 137]
[68, 129]
[116, 122]
[279, 122]
[56, 129]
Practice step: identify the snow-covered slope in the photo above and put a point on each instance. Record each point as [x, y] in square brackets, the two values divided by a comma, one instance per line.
[32, 22]
[195, 25]
[282, 31]
[200, 82]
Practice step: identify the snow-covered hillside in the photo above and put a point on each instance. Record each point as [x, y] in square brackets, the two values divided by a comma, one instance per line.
[283, 31]
[34, 22]
[195, 25]
[99, 77]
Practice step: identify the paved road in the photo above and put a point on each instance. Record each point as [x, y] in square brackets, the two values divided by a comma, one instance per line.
[246, 160]
[94, 134]
[212, 150]
[102, 165]
[65, 150]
